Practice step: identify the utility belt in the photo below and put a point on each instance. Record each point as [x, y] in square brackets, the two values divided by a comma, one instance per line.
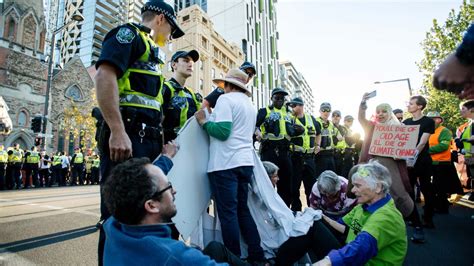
[326, 152]
[304, 155]
[300, 149]
[280, 145]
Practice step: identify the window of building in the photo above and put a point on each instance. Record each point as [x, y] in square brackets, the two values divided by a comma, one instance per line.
[201, 65]
[74, 93]
[22, 120]
[204, 42]
[204, 20]
[213, 73]
[11, 28]
[201, 85]
[185, 18]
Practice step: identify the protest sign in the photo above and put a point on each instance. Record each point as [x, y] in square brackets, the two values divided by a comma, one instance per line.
[397, 141]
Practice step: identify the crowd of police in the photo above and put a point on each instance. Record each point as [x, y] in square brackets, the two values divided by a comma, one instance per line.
[33, 169]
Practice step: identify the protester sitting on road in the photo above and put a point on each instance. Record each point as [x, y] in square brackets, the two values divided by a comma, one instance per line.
[329, 195]
[456, 73]
[272, 171]
[376, 233]
[141, 201]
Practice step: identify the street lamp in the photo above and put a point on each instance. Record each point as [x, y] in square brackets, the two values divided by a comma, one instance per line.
[75, 18]
[397, 80]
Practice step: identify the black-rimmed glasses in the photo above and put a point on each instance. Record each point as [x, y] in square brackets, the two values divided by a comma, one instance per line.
[158, 193]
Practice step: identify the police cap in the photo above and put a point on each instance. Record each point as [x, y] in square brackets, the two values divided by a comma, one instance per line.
[159, 6]
[183, 54]
[279, 90]
[296, 101]
[247, 65]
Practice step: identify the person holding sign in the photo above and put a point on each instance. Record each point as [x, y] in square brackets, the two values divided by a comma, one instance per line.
[400, 186]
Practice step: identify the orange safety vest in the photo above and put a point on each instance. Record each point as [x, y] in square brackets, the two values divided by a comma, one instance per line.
[444, 156]
[461, 129]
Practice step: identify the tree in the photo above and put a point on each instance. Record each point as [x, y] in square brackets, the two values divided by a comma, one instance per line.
[440, 41]
[78, 123]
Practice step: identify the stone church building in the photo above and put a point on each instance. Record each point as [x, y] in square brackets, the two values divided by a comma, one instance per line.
[23, 77]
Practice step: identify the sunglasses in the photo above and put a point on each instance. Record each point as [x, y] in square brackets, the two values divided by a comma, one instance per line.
[278, 98]
[326, 110]
[158, 193]
[173, 29]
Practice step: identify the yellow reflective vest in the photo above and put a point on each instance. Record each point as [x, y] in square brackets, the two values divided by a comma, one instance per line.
[180, 101]
[328, 131]
[33, 158]
[3, 156]
[274, 126]
[79, 157]
[305, 142]
[141, 83]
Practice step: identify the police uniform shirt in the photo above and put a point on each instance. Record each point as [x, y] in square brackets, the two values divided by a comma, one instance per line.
[122, 47]
[213, 96]
[261, 116]
[317, 126]
[170, 121]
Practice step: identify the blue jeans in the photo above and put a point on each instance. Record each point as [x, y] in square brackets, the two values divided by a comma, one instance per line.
[230, 188]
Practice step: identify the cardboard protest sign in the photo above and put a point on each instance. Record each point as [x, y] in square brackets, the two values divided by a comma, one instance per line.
[394, 141]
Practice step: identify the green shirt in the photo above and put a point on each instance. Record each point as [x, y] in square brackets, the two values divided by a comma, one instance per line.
[386, 225]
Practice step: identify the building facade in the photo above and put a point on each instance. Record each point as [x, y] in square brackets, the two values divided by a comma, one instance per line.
[182, 4]
[217, 55]
[252, 25]
[296, 84]
[23, 74]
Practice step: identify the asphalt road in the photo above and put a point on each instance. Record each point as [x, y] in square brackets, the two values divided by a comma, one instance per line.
[56, 226]
[49, 226]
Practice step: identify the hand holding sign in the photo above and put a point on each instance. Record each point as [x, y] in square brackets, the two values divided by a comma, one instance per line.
[396, 141]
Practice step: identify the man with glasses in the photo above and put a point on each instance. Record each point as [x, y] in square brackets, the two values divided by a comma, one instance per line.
[399, 114]
[141, 201]
[340, 144]
[128, 82]
[329, 135]
[211, 99]
[275, 129]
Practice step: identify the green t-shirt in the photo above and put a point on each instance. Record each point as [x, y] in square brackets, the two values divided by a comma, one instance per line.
[386, 225]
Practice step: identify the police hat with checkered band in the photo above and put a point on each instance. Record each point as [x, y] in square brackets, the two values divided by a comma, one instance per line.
[159, 6]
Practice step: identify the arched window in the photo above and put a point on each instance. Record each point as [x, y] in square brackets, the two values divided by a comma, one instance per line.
[74, 93]
[22, 120]
[10, 26]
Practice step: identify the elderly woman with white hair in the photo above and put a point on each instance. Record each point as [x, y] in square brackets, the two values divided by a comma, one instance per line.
[329, 194]
[272, 172]
[374, 230]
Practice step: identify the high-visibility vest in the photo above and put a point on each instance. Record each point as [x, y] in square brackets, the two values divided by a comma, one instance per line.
[33, 157]
[466, 134]
[96, 163]
[444, 156]
[79, 158]
[146, 70]
[307, 138]
[17, 156]
[3, 156]
[341, 145]
[327, 134]
[89, 160]
[274, 127]
[180, 101]
[56, 160]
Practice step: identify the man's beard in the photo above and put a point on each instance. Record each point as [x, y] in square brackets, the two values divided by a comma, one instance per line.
[166, 217]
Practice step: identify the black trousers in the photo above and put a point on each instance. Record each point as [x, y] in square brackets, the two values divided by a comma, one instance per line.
[218, 252]
[77, 174]
[44, 177]
[423, 172]
[324, 160]
[280, 156]
[338, 161]
[15, 175]
[141, 148]
[31, 171]
[304, 170]
[3, 171]
[320, 239]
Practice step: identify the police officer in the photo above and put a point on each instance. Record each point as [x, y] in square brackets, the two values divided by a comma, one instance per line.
[128, 83]
[14, 163]
[340, 144]
[275, 129]
[31, 167]
[179, 101]
[3, 166]
[57, 170]
[350, 142]
[77, 167]
[88, 159]
[211, 99]
[329, 133]
[95, 169]
[302, 152]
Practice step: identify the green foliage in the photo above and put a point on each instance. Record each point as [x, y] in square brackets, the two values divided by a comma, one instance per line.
[442, 40]
[80, 124]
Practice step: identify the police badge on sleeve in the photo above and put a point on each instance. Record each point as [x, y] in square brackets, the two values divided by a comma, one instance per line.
[125, 35]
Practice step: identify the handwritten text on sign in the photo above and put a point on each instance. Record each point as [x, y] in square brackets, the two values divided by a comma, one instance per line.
[394, 141]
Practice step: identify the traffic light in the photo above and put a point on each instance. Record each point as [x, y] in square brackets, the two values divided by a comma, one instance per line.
[37, 141]
[36, 124]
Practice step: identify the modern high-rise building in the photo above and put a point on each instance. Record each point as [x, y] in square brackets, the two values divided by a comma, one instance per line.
[252, 25]
[181, 4]
[296, 84]
[217, 55]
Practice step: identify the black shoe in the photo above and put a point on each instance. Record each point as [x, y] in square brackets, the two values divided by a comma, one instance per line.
[99, 224]
[418, 236]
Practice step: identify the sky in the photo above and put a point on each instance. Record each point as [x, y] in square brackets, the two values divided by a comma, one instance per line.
[343, 47]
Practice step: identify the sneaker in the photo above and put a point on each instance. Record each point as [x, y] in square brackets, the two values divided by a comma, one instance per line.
[418, 235]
